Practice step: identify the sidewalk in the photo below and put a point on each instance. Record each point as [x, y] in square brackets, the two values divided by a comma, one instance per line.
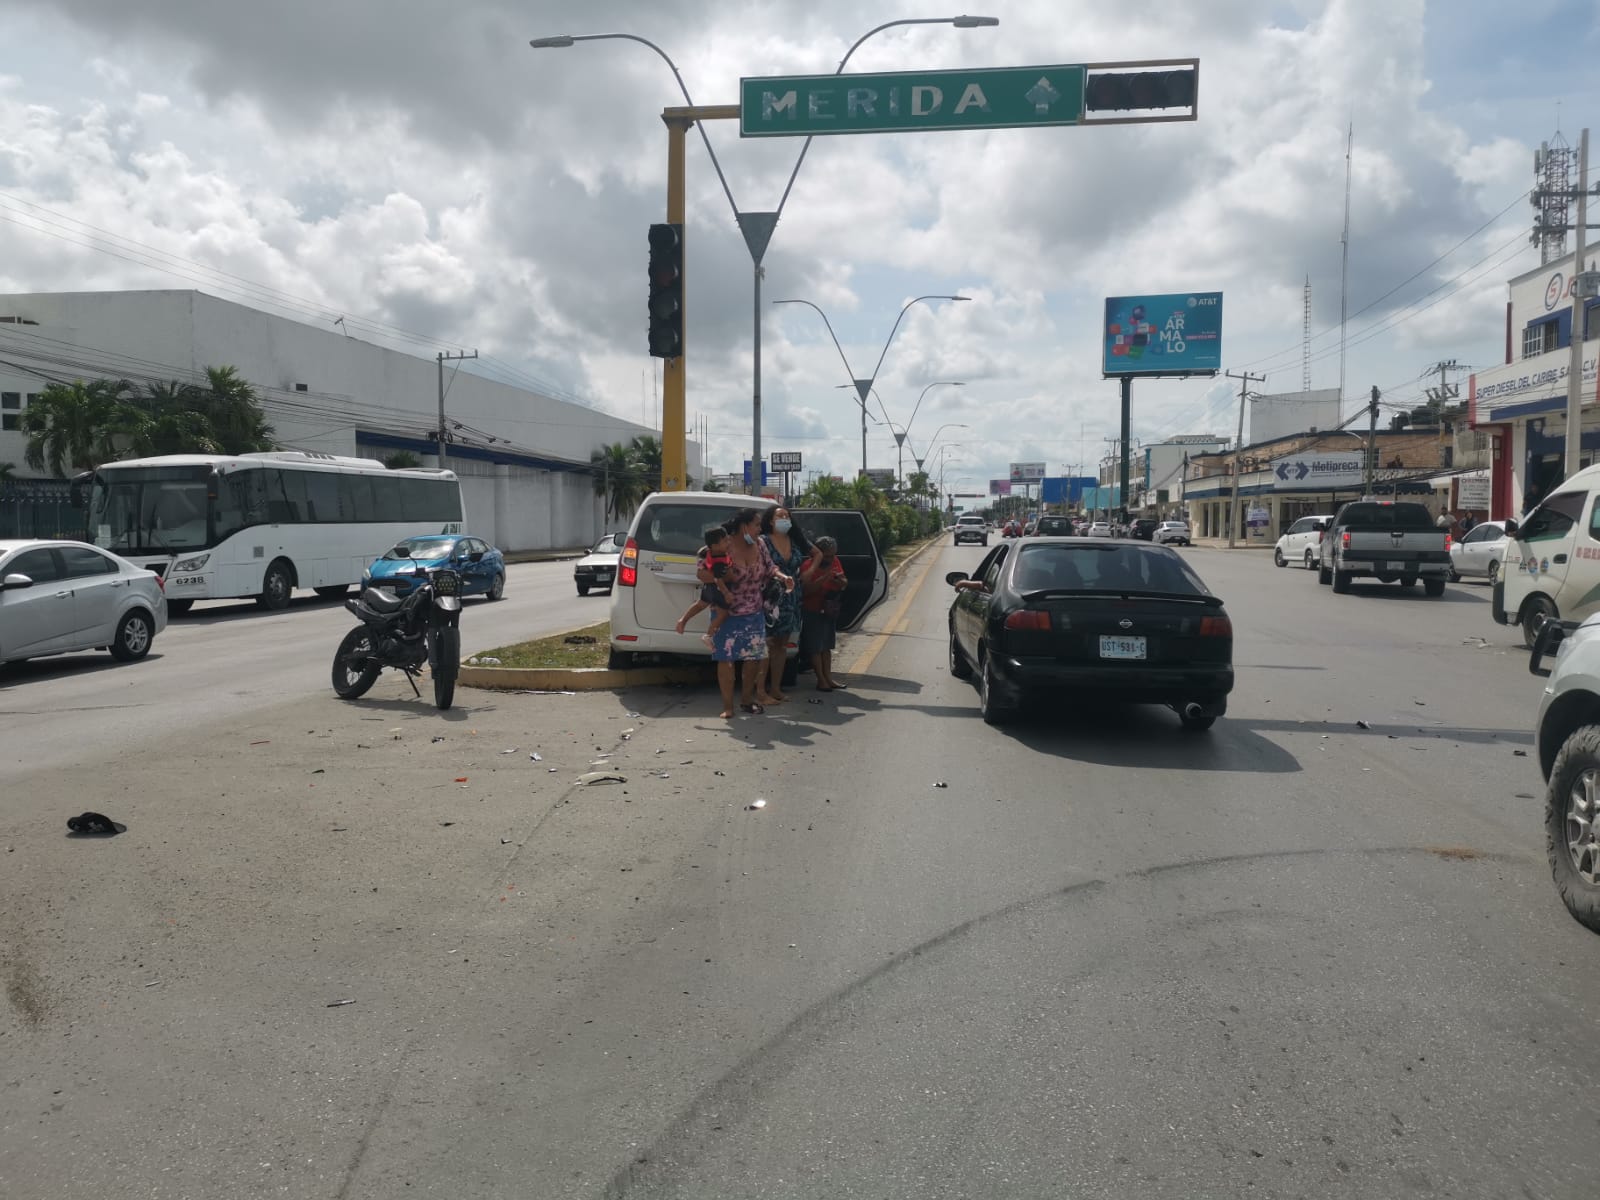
[1222, 544]
[523, 556]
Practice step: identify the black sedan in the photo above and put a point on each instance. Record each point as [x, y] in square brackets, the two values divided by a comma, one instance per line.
[1094, 621]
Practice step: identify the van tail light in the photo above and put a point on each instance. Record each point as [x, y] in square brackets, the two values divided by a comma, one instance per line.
[1028, 618]
[1346, 538]
[628, 566]
[1216, 627]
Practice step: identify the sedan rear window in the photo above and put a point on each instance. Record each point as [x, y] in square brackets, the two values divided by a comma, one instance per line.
[1104, 568]
[669, 528]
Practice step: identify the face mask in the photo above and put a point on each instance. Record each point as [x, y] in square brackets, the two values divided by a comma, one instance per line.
[782, 525]
[748, 540]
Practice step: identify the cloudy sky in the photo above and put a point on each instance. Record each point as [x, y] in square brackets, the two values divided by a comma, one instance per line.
[420, 168]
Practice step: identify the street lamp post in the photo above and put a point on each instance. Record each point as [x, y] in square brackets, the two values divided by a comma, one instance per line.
[933, 441]
[900, 436]
[757, 227]
[864, 386]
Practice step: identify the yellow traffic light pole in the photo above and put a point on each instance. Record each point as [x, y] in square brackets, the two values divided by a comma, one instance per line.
[674, 371]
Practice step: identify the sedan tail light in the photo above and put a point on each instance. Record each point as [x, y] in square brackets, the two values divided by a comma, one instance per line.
[628, 565]
[1216, 627]
[1028, 618]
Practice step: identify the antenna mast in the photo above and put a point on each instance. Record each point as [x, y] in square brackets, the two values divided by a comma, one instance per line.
[1551, 198]
[1305, 341]
[1344, 266]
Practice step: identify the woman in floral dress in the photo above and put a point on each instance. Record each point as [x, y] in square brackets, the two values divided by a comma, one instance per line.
[743, 635]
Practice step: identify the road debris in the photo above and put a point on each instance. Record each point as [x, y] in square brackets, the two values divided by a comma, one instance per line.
[437, 738]
[339, 1003]
[1362, 725]
[626, 734]
[633, 716]
[93, 824]
[1520, 753]
[941, 784]
[579, 639]
[594, 777]
[755, 806]
[461, 778]
[535, 756]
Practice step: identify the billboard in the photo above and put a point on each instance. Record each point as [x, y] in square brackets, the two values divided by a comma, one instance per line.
[1180, 334]
[1029, 472]
[1000, 487]
[882, 477]
[1289, 413]
[1318, 472]
[1065, 489]
[784, 460]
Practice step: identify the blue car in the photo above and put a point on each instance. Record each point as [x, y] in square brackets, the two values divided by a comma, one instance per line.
[481, 566]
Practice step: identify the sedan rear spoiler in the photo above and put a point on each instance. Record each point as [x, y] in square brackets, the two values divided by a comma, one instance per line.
[1124, 593]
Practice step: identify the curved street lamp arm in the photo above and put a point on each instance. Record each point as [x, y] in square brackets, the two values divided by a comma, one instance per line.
[676, 74]
[896, 328]
[848, 373]
[925, 391]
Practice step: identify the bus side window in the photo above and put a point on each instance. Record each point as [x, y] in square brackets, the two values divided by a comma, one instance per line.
[322, 496]
[241, 502]
[286, 496]
[357, 500]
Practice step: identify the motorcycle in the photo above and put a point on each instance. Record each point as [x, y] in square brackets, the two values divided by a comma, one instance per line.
[405, 633]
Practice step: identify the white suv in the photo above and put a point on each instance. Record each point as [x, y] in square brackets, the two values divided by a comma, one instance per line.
[656, 580]
[970, 527]
[1568, 741]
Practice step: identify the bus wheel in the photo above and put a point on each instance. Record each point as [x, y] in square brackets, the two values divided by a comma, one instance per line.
[276, 587]
[176, 608]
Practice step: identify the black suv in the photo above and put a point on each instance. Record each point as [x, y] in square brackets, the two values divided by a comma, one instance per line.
[1054, 527]
[1143, 528]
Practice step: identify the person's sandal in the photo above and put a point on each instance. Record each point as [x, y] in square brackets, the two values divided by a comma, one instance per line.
[755, 710]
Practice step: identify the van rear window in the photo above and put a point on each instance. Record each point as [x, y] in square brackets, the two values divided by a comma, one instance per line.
[669, 528]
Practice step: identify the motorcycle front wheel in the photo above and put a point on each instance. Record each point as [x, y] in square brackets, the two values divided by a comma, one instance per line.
[354, 669]
[446, 663]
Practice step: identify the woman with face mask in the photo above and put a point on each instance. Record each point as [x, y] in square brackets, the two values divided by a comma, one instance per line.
[789, 550]
[742, 637]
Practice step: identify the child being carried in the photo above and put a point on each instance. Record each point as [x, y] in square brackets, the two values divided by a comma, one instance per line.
[713, 557]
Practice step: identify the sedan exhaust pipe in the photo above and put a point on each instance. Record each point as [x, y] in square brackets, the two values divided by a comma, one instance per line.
[1192, 711]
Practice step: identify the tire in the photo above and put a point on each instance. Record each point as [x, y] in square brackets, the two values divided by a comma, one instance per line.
[349, 681]
[176, 608]
[1538, 609]
[583, 589]
[135, 632]
[1278, 560]
[959, 666]
[1570, 825]
[1197, 724]
[446, 665]
[1433, 587]
[1341, 581]
[1311, 563]
[1455, 575]
[619, 660]
[995, 712]
[334, 591]
[277, 587]
[1494, 573]
[497, 589]
[1324, 575]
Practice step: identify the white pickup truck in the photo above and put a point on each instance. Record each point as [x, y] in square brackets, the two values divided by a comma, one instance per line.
[1388, 541]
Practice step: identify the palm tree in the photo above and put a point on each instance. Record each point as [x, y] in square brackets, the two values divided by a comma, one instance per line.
[865, 496]
[646, 455]
[401, 459]
[827, 492]
[233, 410]
[71, 425]
[617, 478]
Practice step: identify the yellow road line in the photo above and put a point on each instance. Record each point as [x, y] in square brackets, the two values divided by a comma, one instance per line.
[870, 654]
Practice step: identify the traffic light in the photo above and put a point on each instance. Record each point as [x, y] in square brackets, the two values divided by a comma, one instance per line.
[666, 291]
[1139, 90]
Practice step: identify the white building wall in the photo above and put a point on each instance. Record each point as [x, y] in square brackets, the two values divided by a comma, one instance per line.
[350, 386]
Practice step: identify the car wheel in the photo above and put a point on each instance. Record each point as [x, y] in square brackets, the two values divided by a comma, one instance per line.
[1572, 825]
[1311, 563]
[1494, 573]
[497, 589]
[1538, 609]
[583, 589]
[995, 711]
[176, 608]
[1278, 559]
[134, 634]
[619, 660]
[959, 666]
[1341, 581]
[1455, 575]
[277, 587]
[1433, 587]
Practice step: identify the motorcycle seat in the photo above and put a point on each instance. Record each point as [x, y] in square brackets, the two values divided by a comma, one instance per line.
[381, 600]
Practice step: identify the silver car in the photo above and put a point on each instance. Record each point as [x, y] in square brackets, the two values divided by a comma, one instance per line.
[1568, 740]
[57, 597]
[598, 568]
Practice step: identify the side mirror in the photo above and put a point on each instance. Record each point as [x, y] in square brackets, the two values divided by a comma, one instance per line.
[15, 581]
[1511, 528]
[955, 577]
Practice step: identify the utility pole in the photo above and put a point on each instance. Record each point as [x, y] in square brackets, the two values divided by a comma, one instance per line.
[1372, 437]
[1245, 380]
[453, 357]
[1580, 291]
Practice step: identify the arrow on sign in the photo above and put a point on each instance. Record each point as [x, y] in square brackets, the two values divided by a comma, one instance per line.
[1041, 95]
[1283, 472]
[1303, 469]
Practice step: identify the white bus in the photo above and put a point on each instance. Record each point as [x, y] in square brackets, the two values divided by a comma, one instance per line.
[261, 525]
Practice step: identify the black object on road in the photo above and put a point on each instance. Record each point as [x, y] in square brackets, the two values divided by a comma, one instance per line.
[93, 824]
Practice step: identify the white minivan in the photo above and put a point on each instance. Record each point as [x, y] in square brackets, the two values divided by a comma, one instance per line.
[1551, 566]
[1302, 542]
[656, 581]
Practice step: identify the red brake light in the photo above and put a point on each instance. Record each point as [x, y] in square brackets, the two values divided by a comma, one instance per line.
[1347, 539]
[628, 566]
[1448, 541]
[161, 583]
[1216, 627]
[1028, 618]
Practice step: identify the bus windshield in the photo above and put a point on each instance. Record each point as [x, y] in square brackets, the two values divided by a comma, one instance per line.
[150, 510]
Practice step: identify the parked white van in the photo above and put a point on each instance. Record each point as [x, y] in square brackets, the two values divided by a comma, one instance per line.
[656, 581]
[1552, 559]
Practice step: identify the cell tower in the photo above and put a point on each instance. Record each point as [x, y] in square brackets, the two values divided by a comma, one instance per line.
[1551, 198]
[1305, 341]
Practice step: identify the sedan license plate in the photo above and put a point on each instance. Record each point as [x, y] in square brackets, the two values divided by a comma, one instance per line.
[1121, 647]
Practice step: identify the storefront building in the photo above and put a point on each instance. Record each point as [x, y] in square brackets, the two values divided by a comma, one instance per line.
[1522, 403]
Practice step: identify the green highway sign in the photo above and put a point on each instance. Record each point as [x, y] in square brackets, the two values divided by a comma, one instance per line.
[894, 102]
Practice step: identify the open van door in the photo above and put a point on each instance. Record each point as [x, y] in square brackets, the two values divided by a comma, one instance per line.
[866, 576]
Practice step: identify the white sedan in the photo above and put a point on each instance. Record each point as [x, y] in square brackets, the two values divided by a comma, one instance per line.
[598, 568]
[1100, 529]
[1480, 551]
[60, 597]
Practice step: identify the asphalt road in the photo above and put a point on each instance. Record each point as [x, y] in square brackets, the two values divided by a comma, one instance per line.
[228, 658]
[1294, 956]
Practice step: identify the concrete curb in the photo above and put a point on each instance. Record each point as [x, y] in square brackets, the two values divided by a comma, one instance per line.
[599, 679]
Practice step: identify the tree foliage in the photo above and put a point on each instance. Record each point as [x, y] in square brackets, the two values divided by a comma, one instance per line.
[626, 472]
